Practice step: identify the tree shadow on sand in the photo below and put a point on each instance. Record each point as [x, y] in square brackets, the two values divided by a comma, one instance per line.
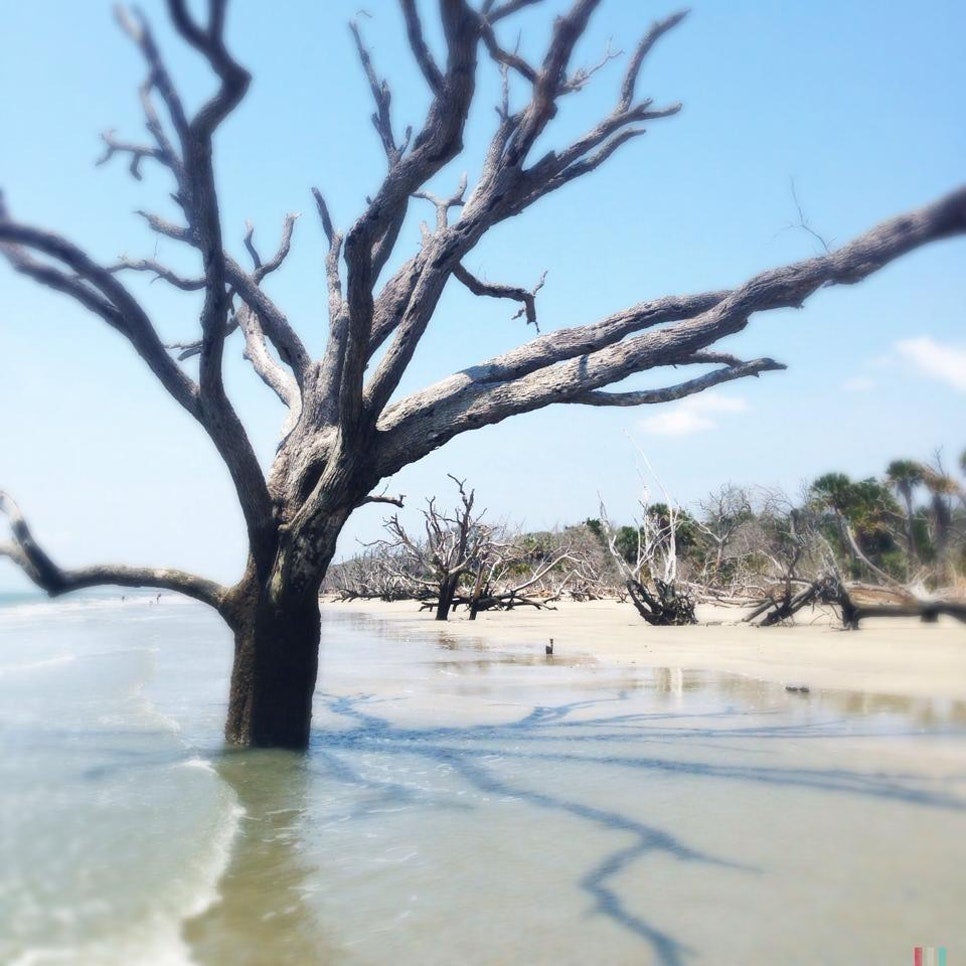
[589, 733]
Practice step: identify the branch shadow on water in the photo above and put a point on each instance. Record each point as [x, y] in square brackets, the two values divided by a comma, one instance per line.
[559, 736]
[364, 762]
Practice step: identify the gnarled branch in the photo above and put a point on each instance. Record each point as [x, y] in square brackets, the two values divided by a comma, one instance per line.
[382, 96]
[96, 288]
[738, 370]
[496, 291]
[34, 561]
[553, 369]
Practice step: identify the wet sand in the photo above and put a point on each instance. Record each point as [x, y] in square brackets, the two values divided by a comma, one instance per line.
[888, 656]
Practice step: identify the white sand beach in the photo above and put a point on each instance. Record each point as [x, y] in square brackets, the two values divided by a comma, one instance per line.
[900, 656]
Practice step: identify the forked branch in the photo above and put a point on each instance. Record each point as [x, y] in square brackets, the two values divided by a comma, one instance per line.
[571, 366]
[527, 299]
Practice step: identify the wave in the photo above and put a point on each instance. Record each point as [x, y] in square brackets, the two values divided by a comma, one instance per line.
[7, 669]
[157, 938]
[31, 605]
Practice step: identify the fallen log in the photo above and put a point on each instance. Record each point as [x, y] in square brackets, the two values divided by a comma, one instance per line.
[927, 611]
[830, 590]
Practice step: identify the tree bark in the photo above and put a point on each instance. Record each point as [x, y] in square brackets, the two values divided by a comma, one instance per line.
[447, 590]
[278, 629]
[274, 673]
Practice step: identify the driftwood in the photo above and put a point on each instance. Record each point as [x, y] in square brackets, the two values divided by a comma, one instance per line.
[828, 589]
[668, 606]
[505, 601]
[831, 590]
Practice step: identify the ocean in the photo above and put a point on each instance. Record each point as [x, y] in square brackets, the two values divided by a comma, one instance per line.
[457, 805]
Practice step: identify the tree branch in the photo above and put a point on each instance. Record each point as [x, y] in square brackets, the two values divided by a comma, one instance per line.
[274, 263]
[27, 554]
[96, 288]
[437, 143]
[528, 299]
[510, 7]
[505, 188]
[658, 29]
[382, 95]
[197, 196]
[651, 396]
[414, 31]
[553, 370]
[138, 153]
[271, 373]
[160, 272]
[382, 498]
[277, 327]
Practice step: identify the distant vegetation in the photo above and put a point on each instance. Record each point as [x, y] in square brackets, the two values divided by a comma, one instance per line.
[897, 538]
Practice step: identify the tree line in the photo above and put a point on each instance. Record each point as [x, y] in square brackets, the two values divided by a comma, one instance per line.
[896, 540]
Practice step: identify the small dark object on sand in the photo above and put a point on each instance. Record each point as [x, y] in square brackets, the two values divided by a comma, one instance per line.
[550, 646]
[797, 689]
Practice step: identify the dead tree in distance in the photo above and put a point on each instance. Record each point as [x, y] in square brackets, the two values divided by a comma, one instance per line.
[651, 577]
[347, 426]
[517, 573]
[456, 542]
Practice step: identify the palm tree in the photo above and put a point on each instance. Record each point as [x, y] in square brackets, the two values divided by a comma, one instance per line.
[904, 476]
[942, 489]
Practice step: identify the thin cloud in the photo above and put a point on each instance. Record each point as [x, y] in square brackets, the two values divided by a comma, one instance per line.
[695, 414]
[946, 363]
[859, 384]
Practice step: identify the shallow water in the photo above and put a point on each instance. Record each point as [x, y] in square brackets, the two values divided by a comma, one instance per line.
[459, 805]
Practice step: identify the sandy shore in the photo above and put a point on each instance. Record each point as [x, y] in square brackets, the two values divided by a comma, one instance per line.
[888, 656]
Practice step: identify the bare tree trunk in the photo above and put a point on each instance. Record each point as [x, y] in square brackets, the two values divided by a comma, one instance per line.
[274, 673]
[276, 621]
[447, 590]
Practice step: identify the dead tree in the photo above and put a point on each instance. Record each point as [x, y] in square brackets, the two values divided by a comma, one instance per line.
[348, 427]
[727, 527]
[827, 589]
[594, 573]
[373, 575]
[512, 575]
[651, 575]
[803, 571]
[456, 542]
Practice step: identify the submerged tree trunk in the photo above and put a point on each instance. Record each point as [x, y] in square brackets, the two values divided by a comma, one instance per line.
[274, 614]
[274, 673]
[447, 591]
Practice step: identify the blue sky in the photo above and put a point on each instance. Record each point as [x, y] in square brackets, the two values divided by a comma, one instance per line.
[859, 103]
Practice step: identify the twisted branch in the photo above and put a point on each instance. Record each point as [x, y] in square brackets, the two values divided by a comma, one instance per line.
[34, 561]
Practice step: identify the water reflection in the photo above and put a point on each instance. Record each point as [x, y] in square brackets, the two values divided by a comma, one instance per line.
[262, 915]
[750, 693]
